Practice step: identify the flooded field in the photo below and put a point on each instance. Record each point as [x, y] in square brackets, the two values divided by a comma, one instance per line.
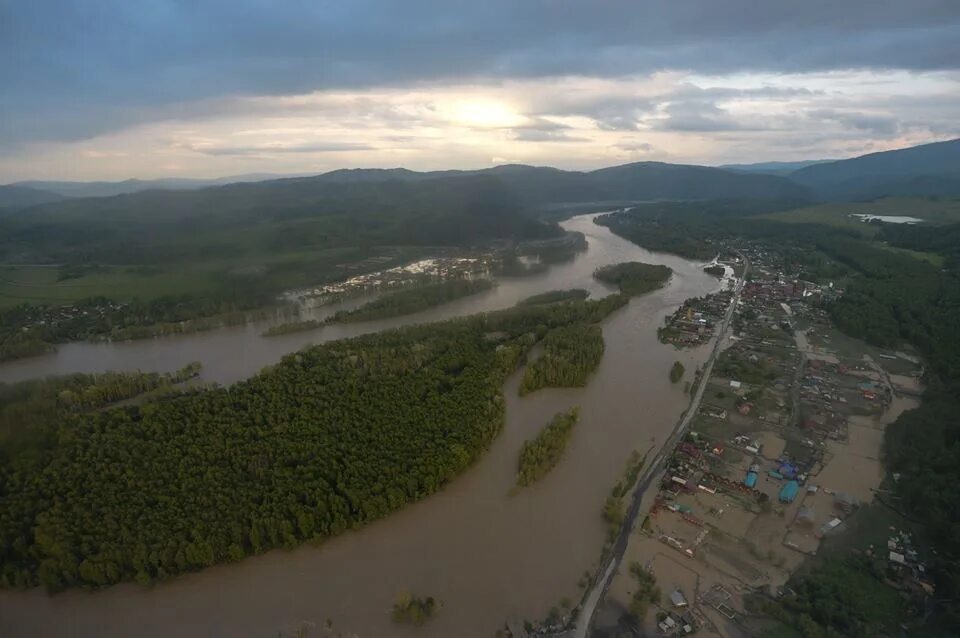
[485, 555]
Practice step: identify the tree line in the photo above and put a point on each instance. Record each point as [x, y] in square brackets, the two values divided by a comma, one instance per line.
[555, 296]
[540, 455]
[570, 355]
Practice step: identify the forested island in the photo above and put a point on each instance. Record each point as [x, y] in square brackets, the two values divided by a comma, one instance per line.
[570, 354]
[410, 300]
[327, 440]
[676, 372]
[27, 330]
[555, 296]
[634, 277]
[539, 456]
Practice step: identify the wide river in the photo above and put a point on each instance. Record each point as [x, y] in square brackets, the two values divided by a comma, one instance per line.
[485, 554]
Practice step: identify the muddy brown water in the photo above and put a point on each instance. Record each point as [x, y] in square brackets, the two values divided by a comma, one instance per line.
[485, 554]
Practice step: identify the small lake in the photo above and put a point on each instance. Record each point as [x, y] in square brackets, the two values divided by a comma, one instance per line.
[888, 219]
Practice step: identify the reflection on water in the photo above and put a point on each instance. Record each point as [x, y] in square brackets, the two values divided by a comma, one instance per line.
[484, 554]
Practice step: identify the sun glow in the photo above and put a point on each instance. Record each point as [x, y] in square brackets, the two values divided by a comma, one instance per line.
[484, 113]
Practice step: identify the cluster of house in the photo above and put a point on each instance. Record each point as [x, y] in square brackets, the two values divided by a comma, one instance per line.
[678, 620]
[439, 268]
[695, 321]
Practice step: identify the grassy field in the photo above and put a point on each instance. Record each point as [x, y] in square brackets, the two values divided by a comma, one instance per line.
[41, 284]
[57, 285]
[933, 258]
[839, 214]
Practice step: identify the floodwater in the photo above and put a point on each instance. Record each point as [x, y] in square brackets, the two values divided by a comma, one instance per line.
[484, 554]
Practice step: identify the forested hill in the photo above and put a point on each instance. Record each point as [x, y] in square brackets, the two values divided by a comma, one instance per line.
[928, 169]
[14, 196]
[537, 185]
[280, 215]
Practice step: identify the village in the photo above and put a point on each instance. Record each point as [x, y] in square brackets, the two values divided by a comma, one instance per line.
[783, 451]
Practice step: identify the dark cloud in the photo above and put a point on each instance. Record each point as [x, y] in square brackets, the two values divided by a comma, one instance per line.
[699, 117]
[636, 147]
[877, 125]
[75, 68]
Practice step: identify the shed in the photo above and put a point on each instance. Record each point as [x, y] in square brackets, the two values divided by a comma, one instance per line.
[751, 479]
[677, 599]
[789, 492]
[735, 384]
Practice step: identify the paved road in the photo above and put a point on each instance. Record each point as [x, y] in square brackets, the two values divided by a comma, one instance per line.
[599, 588]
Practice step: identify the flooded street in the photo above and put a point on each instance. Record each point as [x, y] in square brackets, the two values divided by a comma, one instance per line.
[485, 555]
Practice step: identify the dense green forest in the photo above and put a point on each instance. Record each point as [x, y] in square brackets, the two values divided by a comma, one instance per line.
[28, 408]
[539, 456]
[288, 215]
[890, 298]
[327, 440]
[679, 227]
[410, 300]
[554, 296]
[570, 355]
[843, 598]
[634, 277]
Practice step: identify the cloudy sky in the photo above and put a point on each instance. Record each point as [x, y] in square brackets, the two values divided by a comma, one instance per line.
[97, 89]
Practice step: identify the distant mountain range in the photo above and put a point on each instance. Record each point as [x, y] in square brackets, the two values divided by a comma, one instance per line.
[108, 189]
[772, 168]
[15, 195]
[929, 169]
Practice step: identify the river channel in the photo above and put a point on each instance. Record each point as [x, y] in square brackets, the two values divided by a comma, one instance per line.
[484, 554]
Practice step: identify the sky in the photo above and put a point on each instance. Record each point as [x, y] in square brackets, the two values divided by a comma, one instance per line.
[110, 90]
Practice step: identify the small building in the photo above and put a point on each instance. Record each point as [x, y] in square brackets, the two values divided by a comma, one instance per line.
[806, 516]
[735, 384]
[677, 598]
[750, 480]
[789, 492]
[896, 557]
[829, 526]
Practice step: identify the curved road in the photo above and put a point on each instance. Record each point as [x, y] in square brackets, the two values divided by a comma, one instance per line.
[585, 618]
